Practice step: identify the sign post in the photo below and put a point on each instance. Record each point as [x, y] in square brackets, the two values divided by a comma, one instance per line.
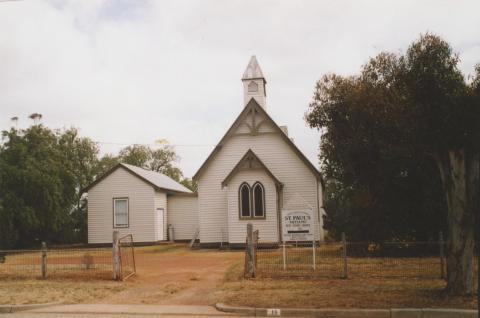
[298, 225]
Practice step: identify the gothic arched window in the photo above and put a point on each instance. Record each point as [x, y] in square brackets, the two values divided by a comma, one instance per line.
[258, 200]
[245, 200]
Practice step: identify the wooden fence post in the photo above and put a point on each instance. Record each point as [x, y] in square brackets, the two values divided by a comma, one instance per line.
[250, 263]
[116, 256]
[344, 256]
[44, 260]
[441, 243]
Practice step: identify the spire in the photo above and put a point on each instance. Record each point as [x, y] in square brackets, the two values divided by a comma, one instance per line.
[254, 83]
[253, 70]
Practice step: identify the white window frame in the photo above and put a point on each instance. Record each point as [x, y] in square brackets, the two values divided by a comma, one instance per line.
[258, 184]
[240, 201]
[115, 225]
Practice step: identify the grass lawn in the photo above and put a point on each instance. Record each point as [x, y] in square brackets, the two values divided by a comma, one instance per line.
[336, 293]
[34, 291]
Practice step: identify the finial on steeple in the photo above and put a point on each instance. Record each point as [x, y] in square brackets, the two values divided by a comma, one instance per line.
[254, 83]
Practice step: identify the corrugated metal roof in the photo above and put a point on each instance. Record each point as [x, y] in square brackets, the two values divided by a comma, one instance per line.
[157, 179]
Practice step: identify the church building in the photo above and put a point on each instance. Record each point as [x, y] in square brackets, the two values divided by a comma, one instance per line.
[254, 173]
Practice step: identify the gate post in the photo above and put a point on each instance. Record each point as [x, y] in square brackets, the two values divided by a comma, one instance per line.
[250, 250]
[116, 256]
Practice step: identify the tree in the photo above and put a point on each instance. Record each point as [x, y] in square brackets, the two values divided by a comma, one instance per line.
[160, 160]
[387, 133]
[83, 163]
[445, 125]
[36, 191]
[137, 155]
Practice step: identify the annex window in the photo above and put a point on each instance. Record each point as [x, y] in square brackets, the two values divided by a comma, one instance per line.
[120, 212]
[258, 200]
[245, 201]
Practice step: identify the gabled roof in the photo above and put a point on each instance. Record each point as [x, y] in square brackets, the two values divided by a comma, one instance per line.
[253, 104]
[158, 180]
[253, 70]
[250, 157]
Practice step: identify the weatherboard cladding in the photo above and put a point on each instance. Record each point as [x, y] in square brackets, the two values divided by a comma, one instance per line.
[275, 152]
[263, 117]
[183, 215]
[267, 226]
[121, 183]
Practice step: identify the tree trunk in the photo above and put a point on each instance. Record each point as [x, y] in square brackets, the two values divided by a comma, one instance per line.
[459, 170]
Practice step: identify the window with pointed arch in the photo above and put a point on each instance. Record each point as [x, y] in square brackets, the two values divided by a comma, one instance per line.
[244, 196]
[251, 201]
[258, 200]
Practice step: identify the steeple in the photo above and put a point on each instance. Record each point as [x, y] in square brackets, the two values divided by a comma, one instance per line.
[254, 83]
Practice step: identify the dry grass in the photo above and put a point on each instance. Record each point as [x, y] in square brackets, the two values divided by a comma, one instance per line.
[336, 293]
[171, 274]
[30, 291]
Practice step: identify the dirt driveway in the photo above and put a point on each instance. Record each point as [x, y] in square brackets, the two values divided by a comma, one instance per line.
[173, 275]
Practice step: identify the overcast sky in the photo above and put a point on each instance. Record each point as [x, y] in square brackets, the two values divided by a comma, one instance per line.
[137, 71]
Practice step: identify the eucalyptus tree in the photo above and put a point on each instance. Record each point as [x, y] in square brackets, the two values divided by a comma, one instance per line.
[400, 150]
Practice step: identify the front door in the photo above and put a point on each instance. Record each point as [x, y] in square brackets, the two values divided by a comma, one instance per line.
[160, 224]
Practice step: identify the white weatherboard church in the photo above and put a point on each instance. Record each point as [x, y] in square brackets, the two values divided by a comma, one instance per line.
[255, 174]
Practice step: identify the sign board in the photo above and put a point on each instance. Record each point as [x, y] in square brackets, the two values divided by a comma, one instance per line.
[298, 225]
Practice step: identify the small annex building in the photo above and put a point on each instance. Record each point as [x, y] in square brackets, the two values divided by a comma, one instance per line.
[254, 174]
[141, 202]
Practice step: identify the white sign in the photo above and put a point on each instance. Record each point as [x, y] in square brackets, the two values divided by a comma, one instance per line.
[297, 225]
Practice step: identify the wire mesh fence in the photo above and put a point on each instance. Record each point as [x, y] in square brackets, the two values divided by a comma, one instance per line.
[409, 260]
[301, 260]
[57, 263]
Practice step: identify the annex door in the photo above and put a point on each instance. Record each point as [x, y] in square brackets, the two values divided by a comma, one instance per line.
[160, 216]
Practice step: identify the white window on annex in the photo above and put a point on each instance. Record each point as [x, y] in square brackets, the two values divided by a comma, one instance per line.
[120, 212]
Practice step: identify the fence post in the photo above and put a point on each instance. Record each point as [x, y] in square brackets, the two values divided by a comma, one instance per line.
[44, 260]
[250, 270]
[313, 254]
[344, 256]
[116, 256]
[442, 254]
[284, 256]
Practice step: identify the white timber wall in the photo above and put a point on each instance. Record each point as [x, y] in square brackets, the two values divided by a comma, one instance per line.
[268, 227]
[275, 153]
[160, 201]
[121, 183]
[183, 215]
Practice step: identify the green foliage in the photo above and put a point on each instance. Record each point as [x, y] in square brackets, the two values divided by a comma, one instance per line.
[41, 174]
[190, 184]
[160, 160]
[382, 130]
